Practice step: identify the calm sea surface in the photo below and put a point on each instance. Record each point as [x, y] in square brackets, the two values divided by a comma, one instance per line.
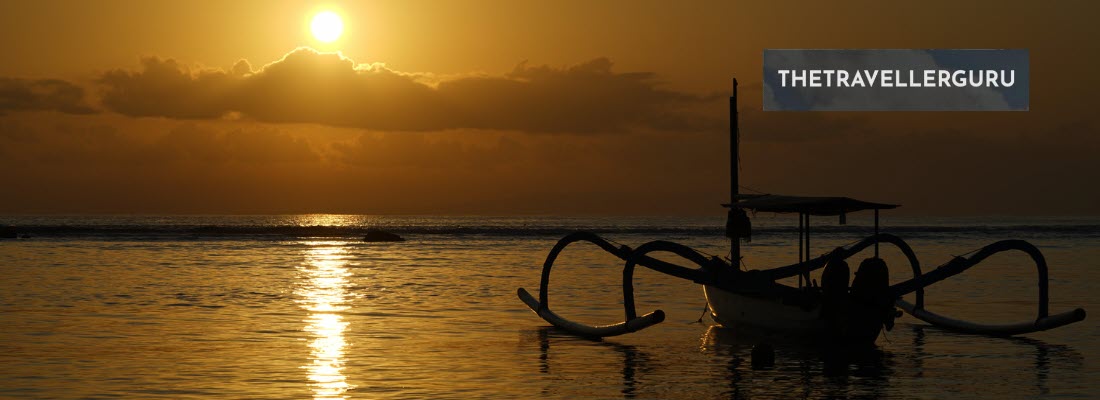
[290, 307]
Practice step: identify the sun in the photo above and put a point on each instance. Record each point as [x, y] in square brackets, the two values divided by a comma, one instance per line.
[327, 26]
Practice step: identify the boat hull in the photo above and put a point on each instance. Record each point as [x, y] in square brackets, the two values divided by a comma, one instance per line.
[771, 317]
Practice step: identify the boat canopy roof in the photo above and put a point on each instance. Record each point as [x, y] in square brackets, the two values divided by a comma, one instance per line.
[805, 204]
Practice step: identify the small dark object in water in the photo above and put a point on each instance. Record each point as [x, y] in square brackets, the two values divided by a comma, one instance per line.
[763, 355]
[8, 232]
[376, 235]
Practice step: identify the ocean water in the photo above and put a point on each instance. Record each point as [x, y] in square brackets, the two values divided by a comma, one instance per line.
[289, 307]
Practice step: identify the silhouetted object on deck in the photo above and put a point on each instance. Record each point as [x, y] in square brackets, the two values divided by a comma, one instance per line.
[377, 235]
[738, 225]
[834, 298]
[871, 292]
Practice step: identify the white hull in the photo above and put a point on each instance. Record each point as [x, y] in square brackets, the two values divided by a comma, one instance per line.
[765, 315]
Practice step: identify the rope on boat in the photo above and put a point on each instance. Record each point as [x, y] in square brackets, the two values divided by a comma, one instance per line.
[706, 307]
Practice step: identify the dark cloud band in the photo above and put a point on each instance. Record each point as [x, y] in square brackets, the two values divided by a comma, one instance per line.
[41, 95]
[327, 88]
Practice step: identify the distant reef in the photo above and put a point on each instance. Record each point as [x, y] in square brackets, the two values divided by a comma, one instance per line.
[378, 235]
[8, 232]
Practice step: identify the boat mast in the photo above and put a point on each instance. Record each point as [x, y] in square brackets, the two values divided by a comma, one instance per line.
[735, 135]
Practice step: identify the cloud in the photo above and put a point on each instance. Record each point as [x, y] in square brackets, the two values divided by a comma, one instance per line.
[167, 89]
[307, 86]
[41, 95]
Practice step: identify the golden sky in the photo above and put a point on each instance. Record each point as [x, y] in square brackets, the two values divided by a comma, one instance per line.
[506, 107]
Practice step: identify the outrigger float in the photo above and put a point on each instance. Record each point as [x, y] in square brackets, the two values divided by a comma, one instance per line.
[755, 300]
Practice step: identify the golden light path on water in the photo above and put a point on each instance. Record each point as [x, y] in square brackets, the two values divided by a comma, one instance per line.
[324, 295]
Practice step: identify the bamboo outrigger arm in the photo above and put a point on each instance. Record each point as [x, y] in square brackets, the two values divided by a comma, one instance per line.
[1042, 322]
[633, 322]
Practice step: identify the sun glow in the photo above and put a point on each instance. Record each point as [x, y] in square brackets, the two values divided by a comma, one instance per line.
[327, 26]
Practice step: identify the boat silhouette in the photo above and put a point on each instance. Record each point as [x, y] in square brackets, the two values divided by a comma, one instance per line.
[842, 309]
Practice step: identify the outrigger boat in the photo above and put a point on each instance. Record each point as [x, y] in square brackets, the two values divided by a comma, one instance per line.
[838, 311]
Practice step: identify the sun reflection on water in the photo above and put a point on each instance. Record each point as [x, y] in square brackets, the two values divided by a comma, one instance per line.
[324, 295]
[325, 220]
